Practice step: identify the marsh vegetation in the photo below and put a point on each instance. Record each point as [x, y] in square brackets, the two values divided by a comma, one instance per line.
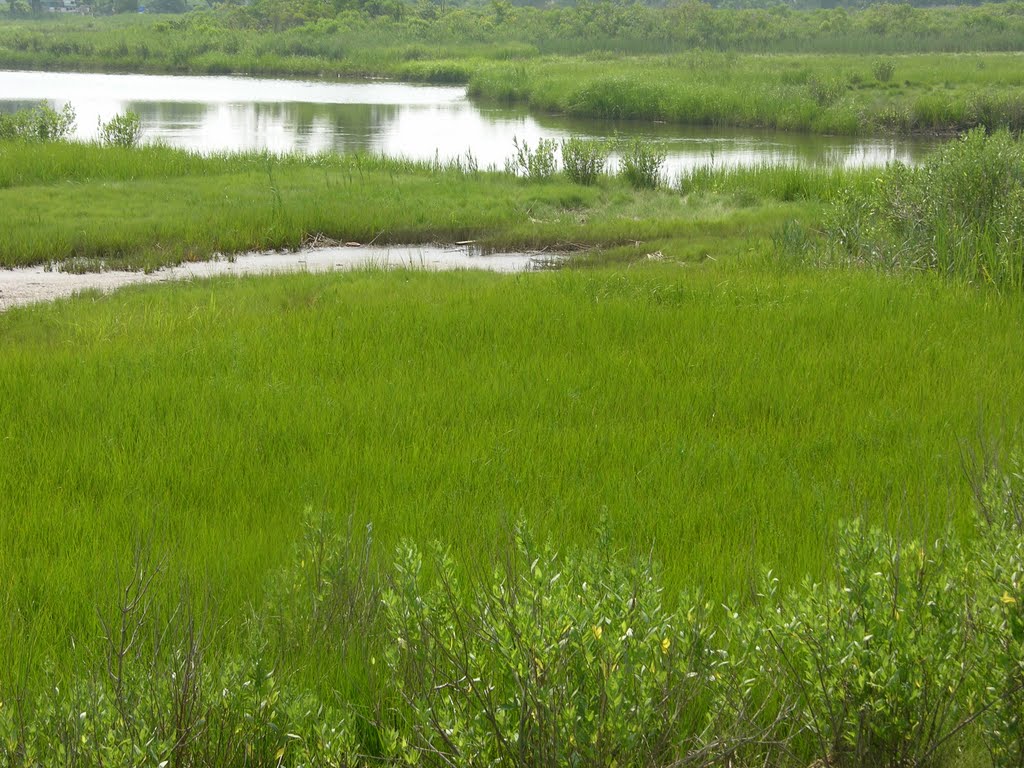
[736, 485]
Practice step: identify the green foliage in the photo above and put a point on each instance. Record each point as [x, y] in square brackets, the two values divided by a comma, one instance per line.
[640, 162]
[578, 661]
[546, 662]
[583, 160]
[41, 123]
[958, 214]
[854, 649]
[999, 491]
[183, 711]
[121, 130]
[328, 595]
[824, 90]
[575, 659]
[883, 70]
[535, 164]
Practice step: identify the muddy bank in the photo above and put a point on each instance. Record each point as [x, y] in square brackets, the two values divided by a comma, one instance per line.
[34, 284]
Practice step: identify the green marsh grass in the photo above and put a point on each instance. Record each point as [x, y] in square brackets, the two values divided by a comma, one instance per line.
[930, 93]
[719, 407]
[723, 416]
[152, 206]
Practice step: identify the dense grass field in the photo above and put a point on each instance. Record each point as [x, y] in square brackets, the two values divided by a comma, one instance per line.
[726, 416]
[720, 418]
[830, 94]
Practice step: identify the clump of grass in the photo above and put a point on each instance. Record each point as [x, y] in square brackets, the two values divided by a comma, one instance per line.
[883, 70]
[825, 90]
[776, 182]
[958, 214]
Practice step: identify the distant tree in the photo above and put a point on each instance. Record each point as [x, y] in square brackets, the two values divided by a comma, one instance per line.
[501, 9]
[25, 7]
[166, 6]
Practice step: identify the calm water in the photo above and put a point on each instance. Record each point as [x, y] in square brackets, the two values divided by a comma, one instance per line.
[234, 113]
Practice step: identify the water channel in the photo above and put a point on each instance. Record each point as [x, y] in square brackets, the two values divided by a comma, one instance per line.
[213, 114]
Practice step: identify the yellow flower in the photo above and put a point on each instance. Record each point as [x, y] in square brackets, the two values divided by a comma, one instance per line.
[1007, 599]
[665, 645]
[597, 631]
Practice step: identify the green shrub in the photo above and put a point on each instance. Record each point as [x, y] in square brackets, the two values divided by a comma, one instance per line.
[545, 662]
[40, 123]
[562, 660]
[640, 163]
[121, 130]
[883, 70]
[584, 159]
[884, 655]
[535, 164]
[825, 91]
[999, 564]
[328, 596]
[957, 214]
[148, 692]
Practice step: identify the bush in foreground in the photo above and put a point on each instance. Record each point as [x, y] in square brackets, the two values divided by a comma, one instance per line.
[564, 659]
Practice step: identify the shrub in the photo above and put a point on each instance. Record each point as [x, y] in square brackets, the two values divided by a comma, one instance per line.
[328, 597]
[825, 91]
[999, 564]
[552, 660]
[546, 662]
[584, 159]
[536, 164]
[884, 655]
[957, 214]
[121, 130]
[640, 163]
[40, 123]
[883, 70]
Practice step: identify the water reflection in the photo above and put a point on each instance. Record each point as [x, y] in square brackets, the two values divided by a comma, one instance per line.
[211, 114]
